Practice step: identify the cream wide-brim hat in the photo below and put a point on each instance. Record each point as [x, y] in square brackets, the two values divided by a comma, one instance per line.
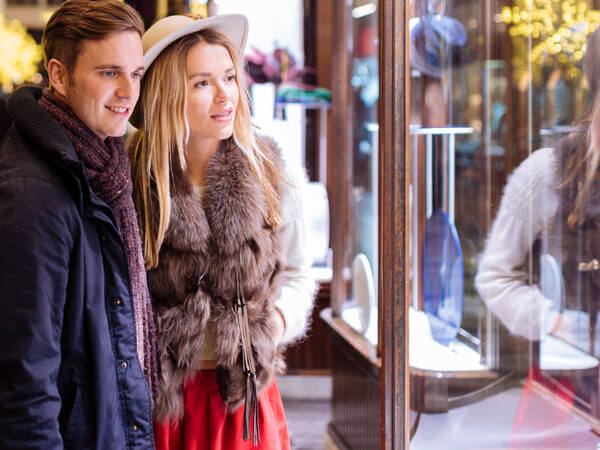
[166, 31]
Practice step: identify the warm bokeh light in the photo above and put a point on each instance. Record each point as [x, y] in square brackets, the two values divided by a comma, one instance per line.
[558, 30]
[199, 8]
[20, 55]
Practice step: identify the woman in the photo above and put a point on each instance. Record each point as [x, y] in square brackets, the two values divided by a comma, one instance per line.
[546, 225]
[224, 237]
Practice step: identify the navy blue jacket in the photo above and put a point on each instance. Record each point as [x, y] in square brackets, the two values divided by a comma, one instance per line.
[5, 119]
[69, 372]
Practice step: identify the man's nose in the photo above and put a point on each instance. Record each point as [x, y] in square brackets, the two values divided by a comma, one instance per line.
[126, 87]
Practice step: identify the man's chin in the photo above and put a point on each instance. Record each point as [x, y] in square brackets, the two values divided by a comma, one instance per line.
[117, 132]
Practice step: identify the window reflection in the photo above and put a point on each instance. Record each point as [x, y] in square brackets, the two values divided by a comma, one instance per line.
[504, 205]
[361, 310]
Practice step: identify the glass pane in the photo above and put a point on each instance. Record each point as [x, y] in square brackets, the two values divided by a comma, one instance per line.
[361, 309]
[504, 203]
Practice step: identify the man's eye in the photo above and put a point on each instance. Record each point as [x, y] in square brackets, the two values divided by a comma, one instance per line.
[137, 75]
[109, 73]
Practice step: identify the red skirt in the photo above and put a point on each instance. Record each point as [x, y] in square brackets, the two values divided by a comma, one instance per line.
[206, 425]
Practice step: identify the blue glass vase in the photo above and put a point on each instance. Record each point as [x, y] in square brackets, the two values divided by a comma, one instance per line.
[442, 277]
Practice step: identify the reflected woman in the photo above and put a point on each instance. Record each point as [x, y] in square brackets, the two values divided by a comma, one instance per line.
[224, 235]
[550, 211]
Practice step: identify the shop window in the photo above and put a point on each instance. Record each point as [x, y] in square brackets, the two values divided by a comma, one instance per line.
[360, 309]
[503, 344]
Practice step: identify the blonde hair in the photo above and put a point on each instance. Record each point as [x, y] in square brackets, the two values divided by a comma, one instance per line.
[164, 132]
[582, 166]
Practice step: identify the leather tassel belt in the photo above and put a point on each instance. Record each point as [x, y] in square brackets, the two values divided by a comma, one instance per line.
[206, 364]
[249, 368]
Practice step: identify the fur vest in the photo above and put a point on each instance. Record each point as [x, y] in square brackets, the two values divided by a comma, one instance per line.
[214, 249]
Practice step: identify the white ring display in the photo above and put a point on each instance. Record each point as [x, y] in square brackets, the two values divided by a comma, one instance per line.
[363, 289]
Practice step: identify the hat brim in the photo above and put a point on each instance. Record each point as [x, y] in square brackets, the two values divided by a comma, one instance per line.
[168, 30]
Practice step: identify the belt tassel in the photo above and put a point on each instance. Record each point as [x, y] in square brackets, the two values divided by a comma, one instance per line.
[251, 398]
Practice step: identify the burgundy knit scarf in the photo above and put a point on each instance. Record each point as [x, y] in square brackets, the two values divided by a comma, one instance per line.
[106, 166]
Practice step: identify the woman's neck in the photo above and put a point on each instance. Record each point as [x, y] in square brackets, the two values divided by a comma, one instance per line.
[197, 155]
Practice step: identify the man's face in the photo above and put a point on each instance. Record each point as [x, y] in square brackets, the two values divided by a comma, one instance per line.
[104, 83]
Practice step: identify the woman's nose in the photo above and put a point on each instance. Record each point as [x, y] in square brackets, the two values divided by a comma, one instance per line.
[222, 93]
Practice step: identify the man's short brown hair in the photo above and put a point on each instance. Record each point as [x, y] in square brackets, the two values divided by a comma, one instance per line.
[76, 20]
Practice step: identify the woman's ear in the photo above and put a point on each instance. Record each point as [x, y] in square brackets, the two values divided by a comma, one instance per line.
[58, 76]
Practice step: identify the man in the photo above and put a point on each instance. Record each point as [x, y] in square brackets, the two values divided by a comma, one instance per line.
[76, 339]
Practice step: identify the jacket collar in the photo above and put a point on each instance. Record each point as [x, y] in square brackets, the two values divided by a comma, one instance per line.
[38, 125]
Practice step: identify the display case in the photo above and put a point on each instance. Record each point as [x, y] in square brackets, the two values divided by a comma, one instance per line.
[480, 331]
[502, 311]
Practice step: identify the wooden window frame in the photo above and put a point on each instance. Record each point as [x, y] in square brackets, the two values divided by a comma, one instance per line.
[393, 206]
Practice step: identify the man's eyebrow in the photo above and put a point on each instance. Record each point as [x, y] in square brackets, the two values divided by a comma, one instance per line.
[108, 66]
[115, 67]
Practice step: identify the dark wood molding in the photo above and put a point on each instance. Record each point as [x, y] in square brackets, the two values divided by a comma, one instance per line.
[355, 413]
[335, 436]
[393, 224]
[324, 38]
[357, 343]
[312, 355]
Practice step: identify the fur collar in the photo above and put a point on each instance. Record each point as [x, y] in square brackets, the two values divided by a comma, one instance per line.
[234, 205]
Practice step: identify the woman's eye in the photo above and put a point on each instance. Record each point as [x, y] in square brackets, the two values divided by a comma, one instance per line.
[230, 77]
[202, 83]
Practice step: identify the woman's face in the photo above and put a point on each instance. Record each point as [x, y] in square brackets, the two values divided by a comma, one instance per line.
[213, 92]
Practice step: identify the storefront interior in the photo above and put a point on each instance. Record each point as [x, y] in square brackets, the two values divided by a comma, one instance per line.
[458, 301]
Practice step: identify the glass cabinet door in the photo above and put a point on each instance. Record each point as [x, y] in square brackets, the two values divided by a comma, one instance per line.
[360, 310]
[504, 208]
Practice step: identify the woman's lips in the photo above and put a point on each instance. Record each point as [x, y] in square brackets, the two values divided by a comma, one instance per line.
[223, 116]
